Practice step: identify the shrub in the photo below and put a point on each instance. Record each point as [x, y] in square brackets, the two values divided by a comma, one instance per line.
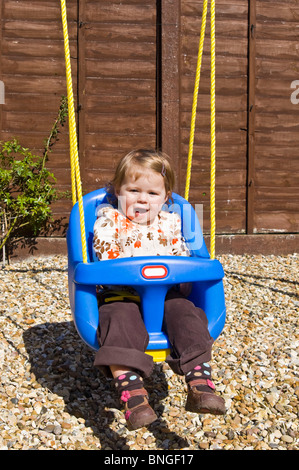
[27, 186]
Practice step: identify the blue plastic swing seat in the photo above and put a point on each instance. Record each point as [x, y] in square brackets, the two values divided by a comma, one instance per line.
[151, 277]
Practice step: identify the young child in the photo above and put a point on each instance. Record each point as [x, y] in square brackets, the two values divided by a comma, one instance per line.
[142, 184]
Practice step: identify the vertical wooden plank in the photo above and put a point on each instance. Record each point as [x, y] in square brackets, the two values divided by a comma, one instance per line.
[1, 78]
[159, 75]
[81, 92]
[251, 116]
[170, 18]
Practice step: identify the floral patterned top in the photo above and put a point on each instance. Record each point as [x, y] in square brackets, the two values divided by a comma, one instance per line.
[116, 236]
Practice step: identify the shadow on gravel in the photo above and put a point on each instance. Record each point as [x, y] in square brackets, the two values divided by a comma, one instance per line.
[282, 290]
[63, 364]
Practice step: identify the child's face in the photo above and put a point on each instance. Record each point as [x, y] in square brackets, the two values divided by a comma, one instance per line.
[141, 198]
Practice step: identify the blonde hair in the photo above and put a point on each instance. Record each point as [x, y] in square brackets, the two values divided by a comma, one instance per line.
[136, 160]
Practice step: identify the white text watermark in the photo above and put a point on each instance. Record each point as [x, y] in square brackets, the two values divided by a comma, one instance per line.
[191, 220]
[2, 92]
[295, 94]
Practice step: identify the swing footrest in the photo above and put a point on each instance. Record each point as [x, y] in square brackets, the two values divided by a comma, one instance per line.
[159, 355]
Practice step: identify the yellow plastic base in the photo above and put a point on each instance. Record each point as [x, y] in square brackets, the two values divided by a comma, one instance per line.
[159, 355]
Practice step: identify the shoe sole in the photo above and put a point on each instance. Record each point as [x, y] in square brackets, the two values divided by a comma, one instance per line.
[205, 411]
[213, 411]
[147, 422]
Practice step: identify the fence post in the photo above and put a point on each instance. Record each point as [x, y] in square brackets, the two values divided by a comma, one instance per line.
[251, 116]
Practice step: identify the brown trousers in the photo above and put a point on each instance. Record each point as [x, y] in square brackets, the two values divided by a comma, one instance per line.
[123, 338]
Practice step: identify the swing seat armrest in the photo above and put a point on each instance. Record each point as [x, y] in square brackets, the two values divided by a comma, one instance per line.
[168, 270]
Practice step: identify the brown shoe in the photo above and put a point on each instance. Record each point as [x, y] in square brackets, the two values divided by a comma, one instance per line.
[141, 414]
[204, 402]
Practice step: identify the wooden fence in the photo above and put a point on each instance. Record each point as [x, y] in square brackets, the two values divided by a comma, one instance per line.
[134, 66]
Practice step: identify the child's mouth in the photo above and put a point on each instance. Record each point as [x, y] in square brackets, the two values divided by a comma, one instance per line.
[140, 211]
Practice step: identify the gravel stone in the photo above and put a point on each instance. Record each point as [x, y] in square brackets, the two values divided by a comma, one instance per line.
[51, 396]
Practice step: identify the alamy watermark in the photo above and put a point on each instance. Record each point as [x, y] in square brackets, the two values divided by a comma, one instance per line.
[192, 220]
[295, 94]
[2, 92]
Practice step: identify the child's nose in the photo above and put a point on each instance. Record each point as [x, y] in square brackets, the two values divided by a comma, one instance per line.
[143, 198]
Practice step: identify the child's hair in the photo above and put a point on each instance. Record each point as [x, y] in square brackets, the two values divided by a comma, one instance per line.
[137, 160]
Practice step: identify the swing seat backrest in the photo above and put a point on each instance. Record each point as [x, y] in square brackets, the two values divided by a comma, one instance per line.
[191, 228]
[150, 276]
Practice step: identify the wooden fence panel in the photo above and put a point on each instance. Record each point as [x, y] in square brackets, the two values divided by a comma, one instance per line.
[32, 67]
[134, 65]
[117, 83]
[276, 130]
[115, 46]
[231, 111]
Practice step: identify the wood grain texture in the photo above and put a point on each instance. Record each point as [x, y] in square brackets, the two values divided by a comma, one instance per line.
[133, 83]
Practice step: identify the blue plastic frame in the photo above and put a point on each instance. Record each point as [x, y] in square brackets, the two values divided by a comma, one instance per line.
[205, 274]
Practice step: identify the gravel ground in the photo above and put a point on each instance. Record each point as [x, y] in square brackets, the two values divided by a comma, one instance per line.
[53, 398]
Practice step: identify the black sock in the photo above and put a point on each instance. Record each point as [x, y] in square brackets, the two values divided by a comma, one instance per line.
[202, 371]
[126, 382]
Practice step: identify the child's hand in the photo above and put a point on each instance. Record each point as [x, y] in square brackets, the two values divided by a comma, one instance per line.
[185, 288]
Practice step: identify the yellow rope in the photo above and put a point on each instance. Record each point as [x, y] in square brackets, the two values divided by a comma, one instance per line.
[213, 133]
[74, 158]
[195, 97]
[213, 120]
